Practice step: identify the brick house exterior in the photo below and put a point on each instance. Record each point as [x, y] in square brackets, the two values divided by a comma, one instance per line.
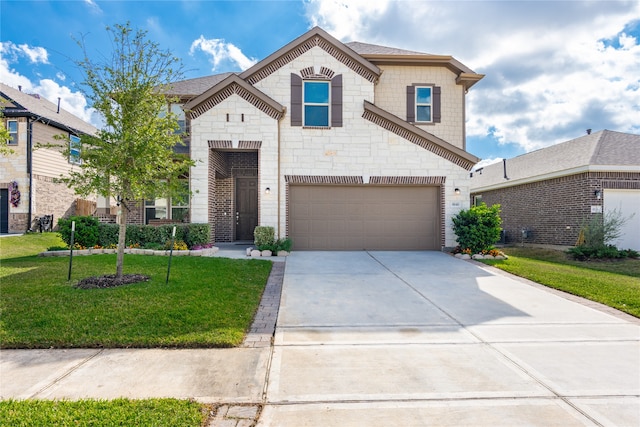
[553, 191]
[338, 146]
[34, 120]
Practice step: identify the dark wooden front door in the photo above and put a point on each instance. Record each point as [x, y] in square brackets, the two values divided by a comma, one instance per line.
[4, 210]
[246, 207]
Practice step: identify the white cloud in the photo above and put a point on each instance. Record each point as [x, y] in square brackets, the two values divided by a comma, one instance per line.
[553, 69]
[36, 55]
[222, 53]
[93, 6]
[486, 162]
[74, 102]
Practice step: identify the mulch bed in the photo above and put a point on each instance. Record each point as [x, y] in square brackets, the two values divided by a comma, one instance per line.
[110, 281]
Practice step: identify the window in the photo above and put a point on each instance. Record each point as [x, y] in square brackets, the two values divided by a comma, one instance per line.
[74, 149]
[316, 103]
[175, 208]
[423, 104]
[12, 127]
[179, 112]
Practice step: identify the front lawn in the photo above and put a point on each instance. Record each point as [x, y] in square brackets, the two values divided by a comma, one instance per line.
[209, 302]
[614, 283]
[118, 412]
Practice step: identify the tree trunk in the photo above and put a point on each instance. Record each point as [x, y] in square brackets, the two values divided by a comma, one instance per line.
[121, 239]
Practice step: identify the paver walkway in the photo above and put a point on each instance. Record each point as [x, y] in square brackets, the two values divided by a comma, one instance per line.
[388, 338]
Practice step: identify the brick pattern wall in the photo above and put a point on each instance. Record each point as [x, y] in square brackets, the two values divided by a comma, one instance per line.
[224, 168]
[553, 210]
[52, 198]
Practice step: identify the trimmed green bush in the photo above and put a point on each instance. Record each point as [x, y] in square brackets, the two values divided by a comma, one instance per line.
[478, 228]
[145, 235]
[283, 245]
[87, 230]
[264, 237]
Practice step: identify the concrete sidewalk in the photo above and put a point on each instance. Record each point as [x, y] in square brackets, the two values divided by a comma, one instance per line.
[422, 338]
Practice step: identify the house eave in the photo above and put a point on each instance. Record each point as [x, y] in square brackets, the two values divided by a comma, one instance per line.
[233, 84]
[558, 174]
[418, 136]
[312, 38]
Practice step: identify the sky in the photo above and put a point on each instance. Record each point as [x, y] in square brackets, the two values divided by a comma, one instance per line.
[553, 68]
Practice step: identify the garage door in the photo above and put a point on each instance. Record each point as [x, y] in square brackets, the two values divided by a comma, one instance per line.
[627, 202]
[338, 217]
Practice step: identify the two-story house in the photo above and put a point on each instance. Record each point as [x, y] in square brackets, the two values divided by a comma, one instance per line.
[338, 146]
[27, 177]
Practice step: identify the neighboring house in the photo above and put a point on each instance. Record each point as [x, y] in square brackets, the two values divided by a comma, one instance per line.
[551, 192]
[31, 171]
[337, 146]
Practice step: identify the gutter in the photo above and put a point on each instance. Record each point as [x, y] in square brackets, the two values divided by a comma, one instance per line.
[30, 170]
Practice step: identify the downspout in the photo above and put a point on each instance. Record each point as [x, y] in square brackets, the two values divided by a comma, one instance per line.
[30, 169]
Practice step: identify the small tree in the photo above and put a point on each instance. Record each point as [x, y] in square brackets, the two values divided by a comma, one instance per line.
[132, 157]
[478, 228]
[603, 229]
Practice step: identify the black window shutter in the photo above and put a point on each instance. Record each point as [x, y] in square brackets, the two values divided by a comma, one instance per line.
[411, 104]
[336, 101]
[296, 100]
[437, 116]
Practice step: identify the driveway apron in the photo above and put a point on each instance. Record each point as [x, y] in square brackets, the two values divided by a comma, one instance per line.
[422, 338]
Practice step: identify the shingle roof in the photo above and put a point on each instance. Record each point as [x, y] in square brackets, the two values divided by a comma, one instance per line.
[196, 86]
[603, 150]
[374, 49]
[47, 111]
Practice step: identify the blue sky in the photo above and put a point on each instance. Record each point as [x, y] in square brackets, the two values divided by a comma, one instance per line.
[553, 68]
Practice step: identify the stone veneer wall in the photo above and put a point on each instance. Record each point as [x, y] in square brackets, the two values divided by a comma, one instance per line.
[553, 210]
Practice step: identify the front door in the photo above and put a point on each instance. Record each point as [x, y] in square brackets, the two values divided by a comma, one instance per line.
[4, 210]
[246, 207]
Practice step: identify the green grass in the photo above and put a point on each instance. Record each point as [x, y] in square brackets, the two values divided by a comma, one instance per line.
[28, 244]
[209, 302]
[613, 283]
[118, 412]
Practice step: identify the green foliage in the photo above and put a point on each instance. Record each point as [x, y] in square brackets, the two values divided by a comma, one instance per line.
[87, 230]
[597, 235]
[285, 244]
[57, 248]
[478, 228]
[145, 235]
[5, 150]
[584, 252]
[264, 237]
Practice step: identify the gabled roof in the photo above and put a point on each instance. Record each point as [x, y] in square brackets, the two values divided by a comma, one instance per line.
[312, 38]
[21, 104]
[600, 151]
[418, 136]
[383, 55]
[227, 87]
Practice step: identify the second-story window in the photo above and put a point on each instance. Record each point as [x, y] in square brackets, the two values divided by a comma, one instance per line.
[423, 104]
[74, 149]
[12, 127]
[178, 111]
[316, 103]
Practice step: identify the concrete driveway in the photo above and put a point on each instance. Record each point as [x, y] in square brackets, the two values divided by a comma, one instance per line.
[422, 338]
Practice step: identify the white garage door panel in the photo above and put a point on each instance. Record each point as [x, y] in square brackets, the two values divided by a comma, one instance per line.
[628, 203]
[336, 217]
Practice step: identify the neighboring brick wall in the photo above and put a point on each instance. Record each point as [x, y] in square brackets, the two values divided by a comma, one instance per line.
[554, 210]
[52, 198]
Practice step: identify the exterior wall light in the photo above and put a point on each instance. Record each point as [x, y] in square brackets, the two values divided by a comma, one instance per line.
[598, 194]
[457, 191]
[267, 190]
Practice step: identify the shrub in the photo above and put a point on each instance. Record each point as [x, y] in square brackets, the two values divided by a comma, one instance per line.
[596, 236]
[178, 245]
[108, 234]
[57, 248]
[478, 228]
[283, 245]
[87, 230]
[264, 237]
